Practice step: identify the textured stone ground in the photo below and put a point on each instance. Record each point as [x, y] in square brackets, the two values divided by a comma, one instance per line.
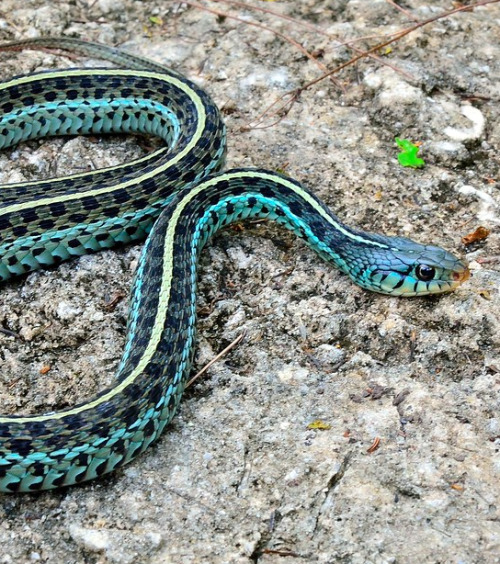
[239, 477]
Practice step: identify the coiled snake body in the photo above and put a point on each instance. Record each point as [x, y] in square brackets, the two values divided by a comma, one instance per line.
[177, 198]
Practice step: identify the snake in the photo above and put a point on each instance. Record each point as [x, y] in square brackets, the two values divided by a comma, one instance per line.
[176, 197]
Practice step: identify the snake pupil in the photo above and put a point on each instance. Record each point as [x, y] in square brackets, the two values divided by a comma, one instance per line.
[424, 272]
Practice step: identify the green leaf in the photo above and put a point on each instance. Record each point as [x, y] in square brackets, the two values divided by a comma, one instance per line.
[408, 156]
[156, 20]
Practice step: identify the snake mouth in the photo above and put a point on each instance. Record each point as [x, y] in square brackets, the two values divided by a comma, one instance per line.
[460, 276]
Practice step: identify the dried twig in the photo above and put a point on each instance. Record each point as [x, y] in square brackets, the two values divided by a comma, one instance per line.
[9, 333]
[317, 30]
[290, 40]
[238, 339]
[293, 95]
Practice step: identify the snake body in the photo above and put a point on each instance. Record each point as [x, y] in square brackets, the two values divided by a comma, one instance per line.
[177, 198]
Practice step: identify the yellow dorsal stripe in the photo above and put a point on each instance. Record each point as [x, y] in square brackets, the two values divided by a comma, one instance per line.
[163, 303]
[190, 93]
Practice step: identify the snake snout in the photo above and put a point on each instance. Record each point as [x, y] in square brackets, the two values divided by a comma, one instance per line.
[461, 274]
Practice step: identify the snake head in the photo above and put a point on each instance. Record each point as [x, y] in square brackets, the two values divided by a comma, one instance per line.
[406, 268]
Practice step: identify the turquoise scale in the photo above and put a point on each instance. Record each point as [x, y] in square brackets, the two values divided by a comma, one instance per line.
[178, 199]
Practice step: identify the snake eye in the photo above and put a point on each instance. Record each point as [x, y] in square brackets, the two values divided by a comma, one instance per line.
[425, 273]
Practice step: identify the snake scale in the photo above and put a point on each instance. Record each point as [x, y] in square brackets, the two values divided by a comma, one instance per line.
[176, 198]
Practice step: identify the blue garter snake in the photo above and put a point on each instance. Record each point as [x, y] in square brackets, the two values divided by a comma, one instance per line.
[176, 198]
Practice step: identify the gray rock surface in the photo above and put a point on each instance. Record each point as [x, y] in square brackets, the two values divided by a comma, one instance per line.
[239, 476]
